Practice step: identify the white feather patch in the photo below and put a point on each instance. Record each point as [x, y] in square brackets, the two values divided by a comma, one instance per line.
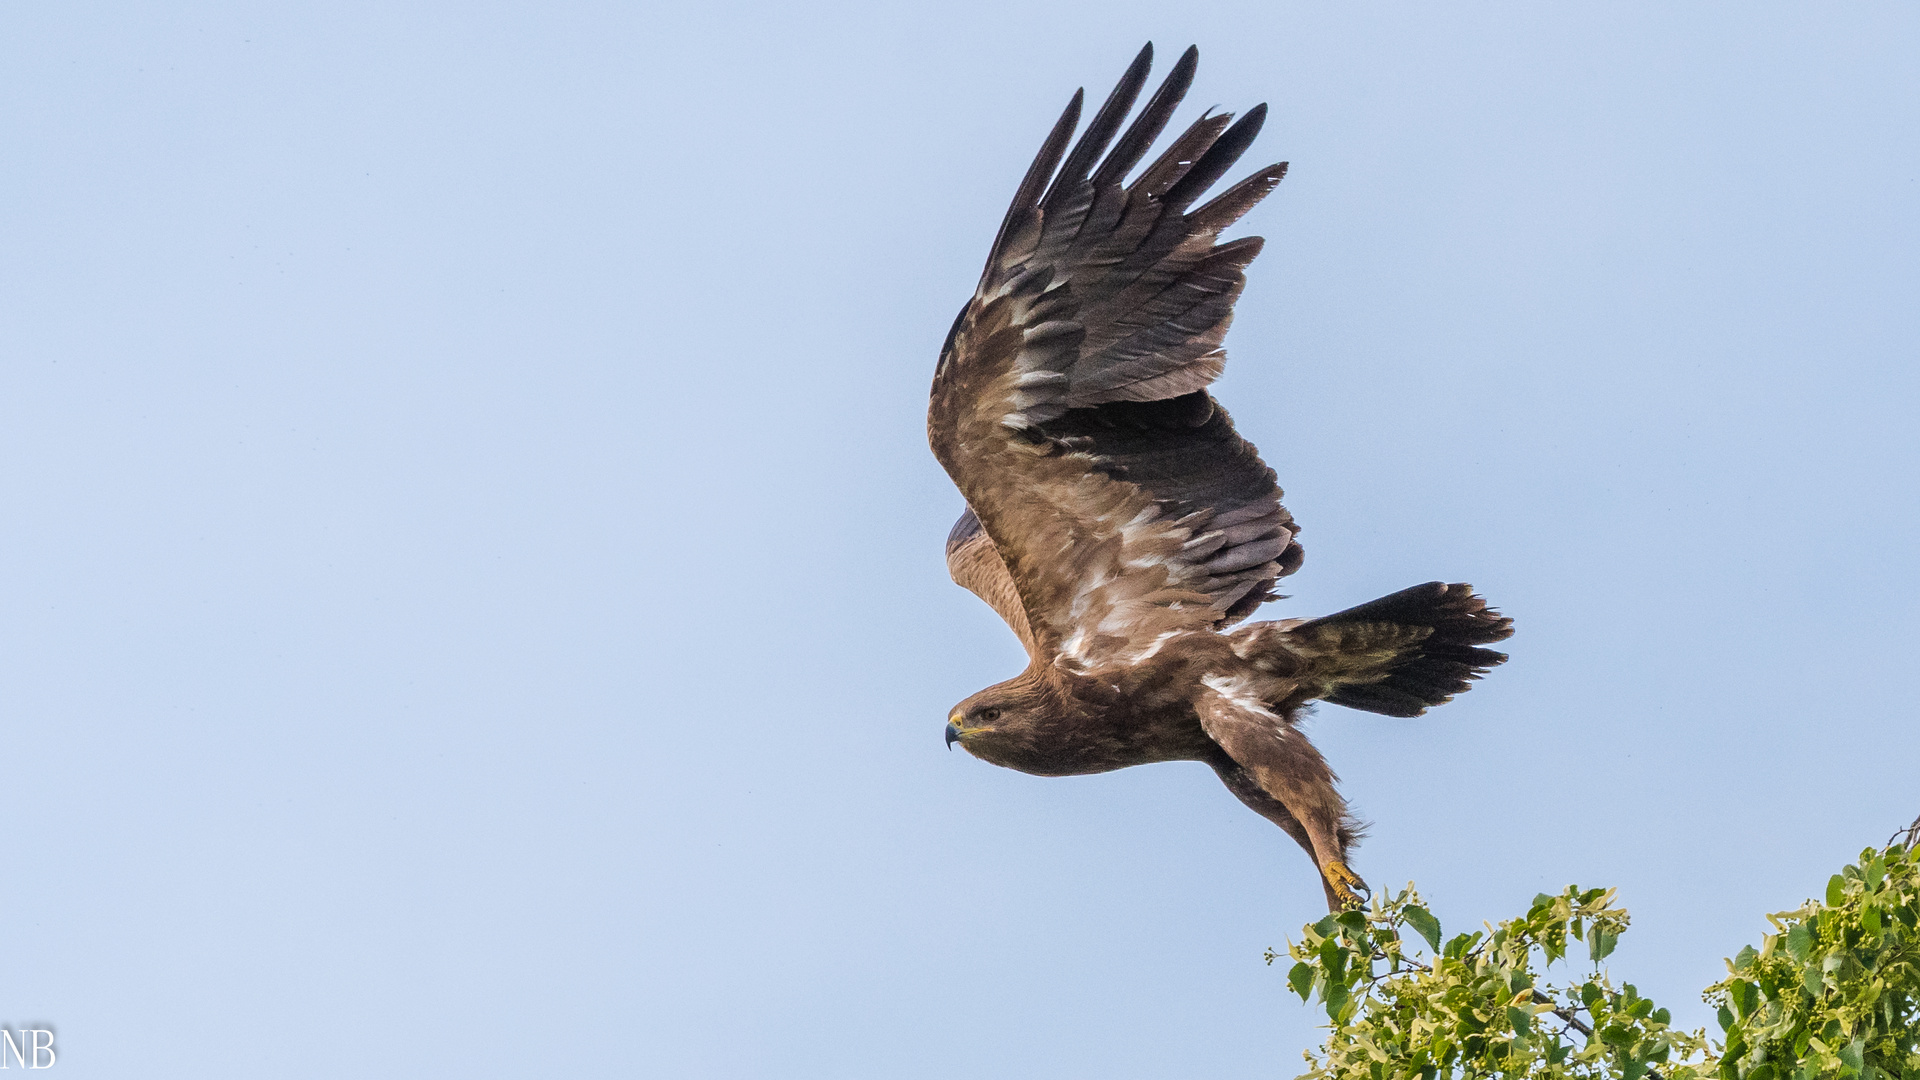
[1238, 691]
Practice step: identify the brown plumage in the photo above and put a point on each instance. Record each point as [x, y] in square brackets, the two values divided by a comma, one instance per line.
[1117, 522]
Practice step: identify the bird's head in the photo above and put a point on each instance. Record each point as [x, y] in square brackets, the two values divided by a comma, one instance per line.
[1000, 718]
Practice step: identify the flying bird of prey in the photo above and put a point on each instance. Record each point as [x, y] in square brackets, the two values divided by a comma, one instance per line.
[1116, 521]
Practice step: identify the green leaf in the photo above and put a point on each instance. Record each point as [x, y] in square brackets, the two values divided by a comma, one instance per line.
[1301, 979]
[1423, 921]
[1736, 1048]
[1800, 941]
[1601, 942]
[1337, 999]
[1743, 959]
[1726, 1016]
[1836, 891]
[1354, 921]
[1851, 1054]
[1590, 994]
[1521, 1019]
[1876, 870]
[1333, 957]
[1325, 927]
[1743, 995]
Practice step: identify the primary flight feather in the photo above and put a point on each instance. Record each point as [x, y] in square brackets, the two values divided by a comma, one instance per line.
[1114, 518]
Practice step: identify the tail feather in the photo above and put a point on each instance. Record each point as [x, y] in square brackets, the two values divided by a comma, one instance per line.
[1404, 653]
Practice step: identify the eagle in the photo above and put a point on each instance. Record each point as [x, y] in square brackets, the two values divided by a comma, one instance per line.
[1115, 519]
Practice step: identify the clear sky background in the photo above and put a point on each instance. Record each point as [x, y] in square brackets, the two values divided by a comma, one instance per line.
[473, 598]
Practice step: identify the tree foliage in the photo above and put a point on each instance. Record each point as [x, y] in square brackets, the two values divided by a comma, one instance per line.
[1480, 1004]
[1834, 993]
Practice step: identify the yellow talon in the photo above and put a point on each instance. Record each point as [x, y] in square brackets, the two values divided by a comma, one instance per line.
[1345, 883]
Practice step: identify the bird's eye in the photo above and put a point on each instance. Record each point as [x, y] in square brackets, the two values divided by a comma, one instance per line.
[989, 715]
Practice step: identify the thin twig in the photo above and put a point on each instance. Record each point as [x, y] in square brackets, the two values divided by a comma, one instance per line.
[1572, 1020]
[1907, 837]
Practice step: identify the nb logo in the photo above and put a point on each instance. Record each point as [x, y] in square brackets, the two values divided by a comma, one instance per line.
[30, 1048]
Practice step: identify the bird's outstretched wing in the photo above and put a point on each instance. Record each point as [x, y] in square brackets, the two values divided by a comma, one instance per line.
[975, 565]
[1070, 402]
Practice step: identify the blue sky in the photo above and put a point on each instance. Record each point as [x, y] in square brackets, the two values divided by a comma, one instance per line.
[474, 600]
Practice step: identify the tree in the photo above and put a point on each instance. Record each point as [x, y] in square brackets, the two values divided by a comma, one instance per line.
[1834, 992]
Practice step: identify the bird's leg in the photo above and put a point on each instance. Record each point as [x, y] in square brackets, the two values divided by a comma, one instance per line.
[1280, 776]
[1339, 882]
[1344, 887]
[1248, 790]
[1325, 826]
[1323, 814]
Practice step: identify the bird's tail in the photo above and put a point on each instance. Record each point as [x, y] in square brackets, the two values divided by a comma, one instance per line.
[1398, 655]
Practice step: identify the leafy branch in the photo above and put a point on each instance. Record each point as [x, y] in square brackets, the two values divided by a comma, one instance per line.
[1835, 992]
[1476, 1005]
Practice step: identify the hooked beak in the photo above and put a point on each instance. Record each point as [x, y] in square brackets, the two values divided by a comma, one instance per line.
[953, 734]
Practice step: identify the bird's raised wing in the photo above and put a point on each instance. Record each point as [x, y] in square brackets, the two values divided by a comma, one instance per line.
[975, 565]
[1070, 403]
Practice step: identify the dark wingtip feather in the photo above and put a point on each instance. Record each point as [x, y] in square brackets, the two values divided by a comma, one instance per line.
[1218, 159]
[1152, 120]
[1230, 205]
[1105, 122]
[1181, 155]
[1039, 172]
